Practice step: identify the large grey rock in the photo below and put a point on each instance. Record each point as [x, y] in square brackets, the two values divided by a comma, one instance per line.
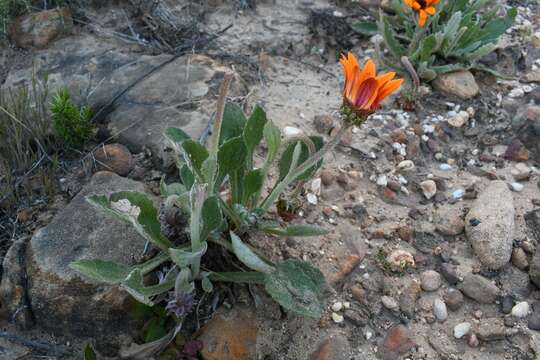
[489, 225]
[458, 83]
[62, 300]
[95, 70]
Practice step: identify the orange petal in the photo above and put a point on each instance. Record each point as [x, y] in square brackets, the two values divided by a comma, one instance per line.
[409, 3]
[352, 94]
[416, 6]
[422, 16]
[431, 10]
[350, 66]
[369, 70]
[367, 93]
[431, 2]
[384, 78]
[386, 90]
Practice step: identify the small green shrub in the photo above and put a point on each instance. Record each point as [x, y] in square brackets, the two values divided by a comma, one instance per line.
[72, 125]
[455, 37]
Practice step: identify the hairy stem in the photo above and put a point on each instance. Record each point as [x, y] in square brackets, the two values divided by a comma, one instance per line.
[306, 165]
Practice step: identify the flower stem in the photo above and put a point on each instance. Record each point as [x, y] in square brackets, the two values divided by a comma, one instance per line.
[306, 165]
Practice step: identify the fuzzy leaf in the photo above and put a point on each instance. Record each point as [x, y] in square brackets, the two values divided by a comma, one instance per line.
[207, 285]
[135, 286]
[480, 52]
[249, 277]
[231, 156]
[247, 256]
[183, 257]
[296, 230]
[195, 154]
[389, 38]
[102, 270]
[171, 189]
[365, 27]
[272, 136]
[211, 216]
[134, 208]
[253, 182]
[253, 131]
[176, 135]
[427, 47]
[297, 286]
[233, 122]
[286, 159]
[187, 177]
[497, 27]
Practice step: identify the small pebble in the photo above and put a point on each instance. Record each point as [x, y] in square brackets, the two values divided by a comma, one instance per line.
[337, 306]
[517, 187]
[458, 194]
[520, 310]
[338, 318]
[439, 310]
[389, 303]
[461, 329]
[430, 280]
[445, 167]
[429, 188]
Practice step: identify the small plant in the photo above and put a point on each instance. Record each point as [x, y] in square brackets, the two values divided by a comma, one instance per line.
[73, 125]
[434, 37]
[27, 138]
[223, 194]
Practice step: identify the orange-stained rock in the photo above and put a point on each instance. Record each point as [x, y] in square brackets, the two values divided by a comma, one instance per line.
[115, 158]
[398, 341]
[230, 335]
[346, 266]
[40, 28]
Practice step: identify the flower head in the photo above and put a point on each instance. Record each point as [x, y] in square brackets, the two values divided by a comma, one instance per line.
[423, 7]
[364, 91]
[180, 304]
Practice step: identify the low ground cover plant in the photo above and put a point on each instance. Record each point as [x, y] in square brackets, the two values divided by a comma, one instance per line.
[439, 36]
[222, 194]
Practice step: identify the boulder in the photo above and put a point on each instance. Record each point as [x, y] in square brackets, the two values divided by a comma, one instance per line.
[40, 28]
[489, 225]
[62, 300]
[458, 83]
[96, 70]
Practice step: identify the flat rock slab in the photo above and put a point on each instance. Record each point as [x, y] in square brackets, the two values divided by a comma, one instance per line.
[95, 70]
[62, 300]
[489, 225]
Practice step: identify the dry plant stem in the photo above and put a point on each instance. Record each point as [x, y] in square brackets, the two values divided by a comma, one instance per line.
[216, 133]
[410, 69]
[306, 165]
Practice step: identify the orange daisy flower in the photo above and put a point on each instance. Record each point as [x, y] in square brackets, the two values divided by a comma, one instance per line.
[364, 91]
[423, 7]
